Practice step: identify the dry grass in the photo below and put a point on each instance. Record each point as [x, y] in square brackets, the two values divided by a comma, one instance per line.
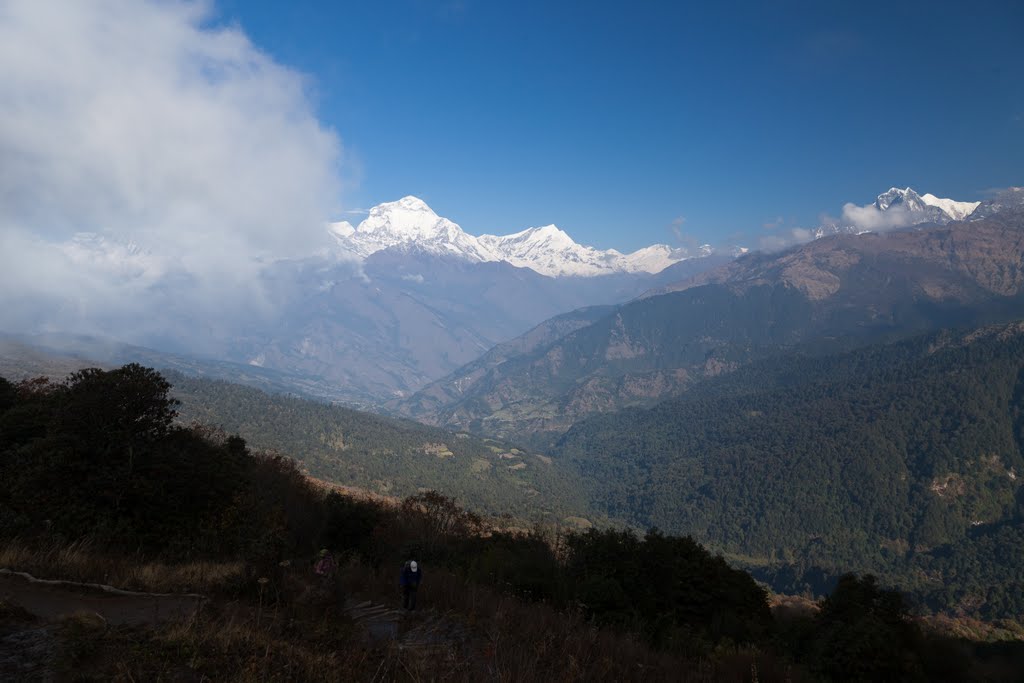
[80, 561]
[973, 629]
[500, 638]
[232, 650]
[462, 632]
[355, 492]
[220, 648]
[787, 608]
[223, 643]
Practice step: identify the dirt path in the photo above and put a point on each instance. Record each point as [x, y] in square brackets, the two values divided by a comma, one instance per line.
[49, 600]
[30, 609]
[425, 632]
[31, 613]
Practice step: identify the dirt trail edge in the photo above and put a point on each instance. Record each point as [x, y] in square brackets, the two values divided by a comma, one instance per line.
[48, 599]
[28, 642]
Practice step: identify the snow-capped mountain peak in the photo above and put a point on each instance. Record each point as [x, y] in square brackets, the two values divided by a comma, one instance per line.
[954, 209]
[896, 208]
[657, 257]
[905, 198]
[547, 249]
[408, 214]
[550, 234]
[928, 206]
[550, 251]
[408, 222]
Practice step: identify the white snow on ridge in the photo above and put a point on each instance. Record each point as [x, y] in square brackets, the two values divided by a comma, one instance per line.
[897, 208]
[550, 251]
[409, 221]
[658, 257]
[925, 205]
[952, 208]
[546, 250]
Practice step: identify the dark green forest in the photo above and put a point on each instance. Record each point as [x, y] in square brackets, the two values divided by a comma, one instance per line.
[903, 460]
[385, 455]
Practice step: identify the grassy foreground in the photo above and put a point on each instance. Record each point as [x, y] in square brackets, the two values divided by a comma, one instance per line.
[288, 628]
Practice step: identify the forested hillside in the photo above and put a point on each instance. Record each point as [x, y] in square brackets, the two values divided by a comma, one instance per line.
[388, 456]
[385, 455]
[904, 459]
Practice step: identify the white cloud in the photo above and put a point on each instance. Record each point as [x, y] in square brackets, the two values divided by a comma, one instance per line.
[190, 153]
[855, 219]
[772, 243]
[786, 238]
[677, 228]
[869, 217]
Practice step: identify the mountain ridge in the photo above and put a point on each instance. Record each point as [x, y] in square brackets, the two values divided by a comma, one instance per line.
[547, 250]
[839, 290]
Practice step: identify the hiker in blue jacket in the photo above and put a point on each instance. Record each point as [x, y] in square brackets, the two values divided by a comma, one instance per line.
[410, 581]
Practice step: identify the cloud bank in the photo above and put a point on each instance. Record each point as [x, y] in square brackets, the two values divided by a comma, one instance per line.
[870, 218]
[855, 219]
[784, 239]
[149, 158]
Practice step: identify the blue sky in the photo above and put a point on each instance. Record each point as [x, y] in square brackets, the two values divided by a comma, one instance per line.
[613, 120]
